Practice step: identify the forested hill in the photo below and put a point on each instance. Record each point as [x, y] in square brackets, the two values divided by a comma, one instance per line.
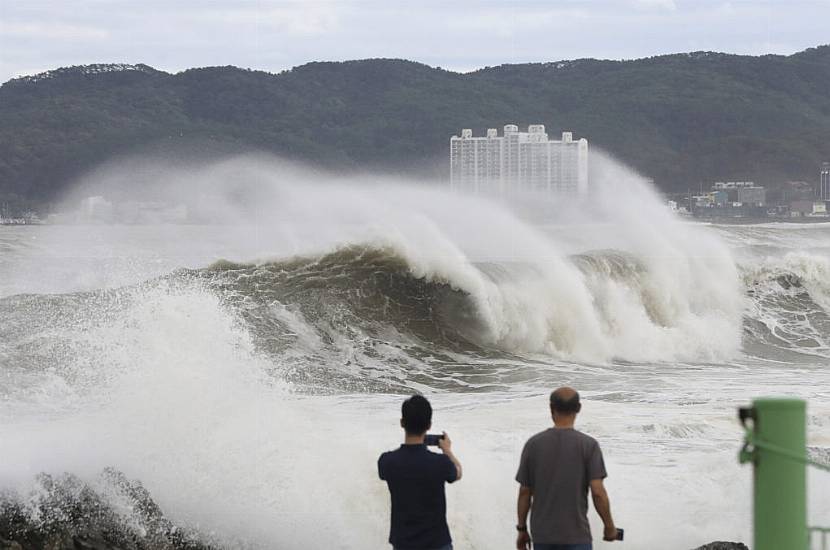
[680, 119]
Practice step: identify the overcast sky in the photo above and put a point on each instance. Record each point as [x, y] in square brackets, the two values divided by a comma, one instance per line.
[172, 35]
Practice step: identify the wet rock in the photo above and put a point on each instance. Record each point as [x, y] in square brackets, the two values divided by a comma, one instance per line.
[65, 513]
[723, 546]
[9, 545]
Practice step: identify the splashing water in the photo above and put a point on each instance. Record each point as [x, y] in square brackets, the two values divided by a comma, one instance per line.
[252, 395]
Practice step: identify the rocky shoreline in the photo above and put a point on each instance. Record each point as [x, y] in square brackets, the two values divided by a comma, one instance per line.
[66, 513]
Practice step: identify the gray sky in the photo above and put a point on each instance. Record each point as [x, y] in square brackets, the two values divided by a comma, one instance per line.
[172, 35]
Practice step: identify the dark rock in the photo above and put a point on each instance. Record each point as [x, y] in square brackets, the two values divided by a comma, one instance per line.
[65, 513]
[9, 545]
[723, 546]
[83, 544]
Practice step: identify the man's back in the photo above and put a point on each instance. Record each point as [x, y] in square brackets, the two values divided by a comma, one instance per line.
[416, 478]
[558, 466]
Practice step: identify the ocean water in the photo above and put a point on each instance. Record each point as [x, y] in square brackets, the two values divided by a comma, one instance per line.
[249, 374]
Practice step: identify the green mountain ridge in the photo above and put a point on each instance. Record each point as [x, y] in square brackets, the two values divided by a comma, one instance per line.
[682, 119]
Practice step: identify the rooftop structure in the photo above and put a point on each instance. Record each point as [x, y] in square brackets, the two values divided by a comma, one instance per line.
[745, 193]
[732, 184]
[824, 182]
[518, 162]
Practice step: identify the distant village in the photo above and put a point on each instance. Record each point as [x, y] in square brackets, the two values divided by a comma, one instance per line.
[530, 162]
[514, 162]
[745, 200]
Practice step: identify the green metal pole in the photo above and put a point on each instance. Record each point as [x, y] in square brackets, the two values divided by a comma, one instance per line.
[780, 482]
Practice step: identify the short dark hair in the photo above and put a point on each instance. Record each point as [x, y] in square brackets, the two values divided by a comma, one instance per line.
[416, 413]
[565, 402]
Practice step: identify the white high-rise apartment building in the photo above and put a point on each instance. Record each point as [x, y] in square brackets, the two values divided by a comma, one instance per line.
[824, 182]
[518, 162]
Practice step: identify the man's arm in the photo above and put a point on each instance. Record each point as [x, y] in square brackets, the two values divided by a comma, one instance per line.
[522, 509]
[445, 444]
[603, 506]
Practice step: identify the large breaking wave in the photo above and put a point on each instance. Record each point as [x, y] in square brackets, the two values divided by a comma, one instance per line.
[368, 318]
[597, 307]
[366, 309]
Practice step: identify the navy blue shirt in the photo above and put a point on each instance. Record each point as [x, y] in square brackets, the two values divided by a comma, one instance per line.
[416, 479]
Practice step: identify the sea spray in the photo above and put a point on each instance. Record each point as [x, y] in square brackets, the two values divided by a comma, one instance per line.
[686, 302]
[194, 380]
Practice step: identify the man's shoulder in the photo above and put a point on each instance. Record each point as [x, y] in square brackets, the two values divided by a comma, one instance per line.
[552, 434]
[389, 463]
[586, 439]
[534, 440]
[388, 456]
[400, 453]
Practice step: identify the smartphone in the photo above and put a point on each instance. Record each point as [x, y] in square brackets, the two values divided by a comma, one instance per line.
[433, 439]
[620, 533]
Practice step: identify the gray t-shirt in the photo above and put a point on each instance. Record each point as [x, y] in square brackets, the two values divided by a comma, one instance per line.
[558, 466]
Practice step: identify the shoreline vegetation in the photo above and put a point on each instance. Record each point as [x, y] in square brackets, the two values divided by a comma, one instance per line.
[680, 119]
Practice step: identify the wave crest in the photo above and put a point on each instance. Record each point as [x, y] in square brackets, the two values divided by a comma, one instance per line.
[599, 306]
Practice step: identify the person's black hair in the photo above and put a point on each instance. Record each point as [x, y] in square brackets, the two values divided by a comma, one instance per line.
[416, 413]
[569, 405]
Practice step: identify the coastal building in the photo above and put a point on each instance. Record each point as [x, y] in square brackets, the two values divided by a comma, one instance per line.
[731, 199]
[824, 182]
[740, 193]
[720, 198]
[808, 209]
[476, 162]
[518, 162]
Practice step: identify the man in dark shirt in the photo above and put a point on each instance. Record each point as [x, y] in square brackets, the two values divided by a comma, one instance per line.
[416, 478]
[556, 469]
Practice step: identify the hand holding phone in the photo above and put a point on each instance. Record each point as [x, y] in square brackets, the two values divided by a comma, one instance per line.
[612, 534]
[433, 439]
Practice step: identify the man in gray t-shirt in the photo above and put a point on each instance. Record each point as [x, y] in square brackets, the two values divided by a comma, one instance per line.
[557, 467]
